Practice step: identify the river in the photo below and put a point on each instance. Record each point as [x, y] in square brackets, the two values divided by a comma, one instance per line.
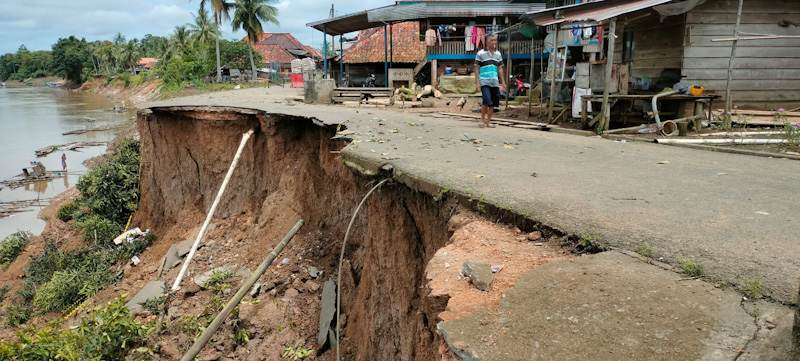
[35, 117]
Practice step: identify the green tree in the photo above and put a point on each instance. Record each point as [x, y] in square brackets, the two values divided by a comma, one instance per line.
[235, 54]
[180, 41]
[70, 55]
[204, 30]
[221, 9]
[128, 54]
[119, 39]
[248, 16]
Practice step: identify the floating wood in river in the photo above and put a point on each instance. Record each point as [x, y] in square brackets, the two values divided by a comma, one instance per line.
[45, 151]
[10, 208]
[81, 131]
[70, 146]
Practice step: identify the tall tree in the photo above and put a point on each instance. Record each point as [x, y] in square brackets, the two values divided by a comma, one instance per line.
[119, 39]
[69, 57]
[128, 55]
[204, 30]
[220, 8]
[180, 41]
[248, 16]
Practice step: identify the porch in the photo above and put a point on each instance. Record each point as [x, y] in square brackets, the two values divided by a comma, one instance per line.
[456, 50]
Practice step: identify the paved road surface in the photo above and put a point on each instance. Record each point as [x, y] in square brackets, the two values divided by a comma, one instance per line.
[736, 214]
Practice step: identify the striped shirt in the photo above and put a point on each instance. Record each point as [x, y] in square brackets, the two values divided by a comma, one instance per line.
[488, 64]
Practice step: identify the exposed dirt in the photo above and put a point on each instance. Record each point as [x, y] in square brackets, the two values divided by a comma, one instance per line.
[126, 96]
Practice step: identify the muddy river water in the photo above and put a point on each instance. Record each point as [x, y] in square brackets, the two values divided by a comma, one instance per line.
[34, 117]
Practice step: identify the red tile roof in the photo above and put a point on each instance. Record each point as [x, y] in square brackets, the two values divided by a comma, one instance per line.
[273, 48]
[149, 63]
[408, 48]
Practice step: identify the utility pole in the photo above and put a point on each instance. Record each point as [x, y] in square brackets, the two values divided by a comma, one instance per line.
[728, 100]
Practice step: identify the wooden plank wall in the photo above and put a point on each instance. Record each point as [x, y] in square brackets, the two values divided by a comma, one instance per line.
[658, 45]
[766, 72]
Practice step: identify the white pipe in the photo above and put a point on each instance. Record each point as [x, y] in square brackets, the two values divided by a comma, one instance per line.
[720, 141]
[213, 209]
[744, 134]
[655, 105]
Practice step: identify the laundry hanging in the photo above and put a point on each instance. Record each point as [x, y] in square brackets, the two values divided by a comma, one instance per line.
[469, 43]
[430, 37]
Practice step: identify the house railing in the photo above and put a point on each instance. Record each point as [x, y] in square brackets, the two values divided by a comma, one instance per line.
[459, 48]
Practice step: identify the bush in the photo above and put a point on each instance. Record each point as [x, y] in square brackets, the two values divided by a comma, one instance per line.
[111, 189]
[67, 212]
[110, 333]
[3, 291]
[99, 229]
[12, 247]
[17, 314]
[67, 288]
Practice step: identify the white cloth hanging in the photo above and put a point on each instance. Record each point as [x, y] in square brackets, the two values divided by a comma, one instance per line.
[469, 45]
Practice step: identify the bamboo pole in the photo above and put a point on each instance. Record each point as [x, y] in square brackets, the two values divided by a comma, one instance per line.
[530, 78]
[213, 209]
[509, 71]
[765, 37]
[234, 302]
[553, 82]
[728, 100]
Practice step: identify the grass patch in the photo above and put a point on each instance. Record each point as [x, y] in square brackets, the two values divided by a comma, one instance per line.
[12, 247]
[645, 250]
[67, 212]
[691, 268]
[17, 314]
[3, 291]
[590, 243]
[752, 287]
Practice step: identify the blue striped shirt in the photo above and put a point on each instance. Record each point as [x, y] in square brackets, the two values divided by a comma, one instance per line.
[488, 64]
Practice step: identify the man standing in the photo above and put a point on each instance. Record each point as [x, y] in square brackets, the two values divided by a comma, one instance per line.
[488, 64]
[63, 162]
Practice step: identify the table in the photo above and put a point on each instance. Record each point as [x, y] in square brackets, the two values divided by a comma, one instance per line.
[685, 100]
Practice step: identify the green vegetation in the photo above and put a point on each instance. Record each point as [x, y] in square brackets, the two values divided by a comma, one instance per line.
[441, 194]
[248, 17]
[752, 288]
[110, 333]
[12, 247]
[690, 267]
[57, 280]
[3, 291]
[297, 353]
[590, 243]
[645, 250]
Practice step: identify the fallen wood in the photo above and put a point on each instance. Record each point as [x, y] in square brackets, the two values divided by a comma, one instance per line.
[629, 129]
[720, 141]
[743, 134]
[759, 112]
[500, 119]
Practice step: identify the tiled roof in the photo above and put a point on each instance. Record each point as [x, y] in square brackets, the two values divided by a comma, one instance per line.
[149, 63]
[274, 54]
[273, 46]
[370, 47]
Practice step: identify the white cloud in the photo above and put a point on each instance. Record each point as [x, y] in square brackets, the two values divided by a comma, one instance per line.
[40, 23]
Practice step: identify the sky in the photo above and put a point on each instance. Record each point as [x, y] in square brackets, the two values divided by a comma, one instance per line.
[38, 24]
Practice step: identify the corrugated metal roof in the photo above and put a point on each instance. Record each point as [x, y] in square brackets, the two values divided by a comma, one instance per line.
[593, 11]
[415, 11]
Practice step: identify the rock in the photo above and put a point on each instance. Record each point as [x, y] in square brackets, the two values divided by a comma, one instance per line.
[202, 278]
[534, 236]
[311, 286]
[151, 290]
[181, 249]
[328, 311]
[480, 274]
[254, 291]
[313, 272]
[244, 272]
[290, 294]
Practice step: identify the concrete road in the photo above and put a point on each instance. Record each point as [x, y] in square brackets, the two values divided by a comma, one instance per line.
[734, 213]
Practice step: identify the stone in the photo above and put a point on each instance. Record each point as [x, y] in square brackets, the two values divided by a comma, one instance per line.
[202, 278]
[255, 290]
[290, 294]
[328, 311]
[151, 290]
[311, 286]
[244, 272]
[480, 274]
[178, 250]
[313, 272]
[534, 236]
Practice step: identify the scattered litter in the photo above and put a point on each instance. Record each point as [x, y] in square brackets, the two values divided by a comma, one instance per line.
[496, 268]
[506, 146]
[285, 261]
[480, 176]
[446, 265]
[136, 260]
[128, 235]
[534, 175]
[663, 162]
[722, 173]
[478, 149]
[762, 213]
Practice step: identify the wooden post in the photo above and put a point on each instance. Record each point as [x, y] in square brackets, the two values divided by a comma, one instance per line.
[508, 69]
[530, 79]
[553, 82]
[728, 100]
[434, 72]
[606, 112]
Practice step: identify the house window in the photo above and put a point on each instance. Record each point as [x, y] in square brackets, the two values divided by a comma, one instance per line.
[628, 45]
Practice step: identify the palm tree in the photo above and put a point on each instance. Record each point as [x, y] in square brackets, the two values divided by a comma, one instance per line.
[204, 30]
[220, 9]
[248, 16]
[180, 40]
[128, 55]
[119, 39]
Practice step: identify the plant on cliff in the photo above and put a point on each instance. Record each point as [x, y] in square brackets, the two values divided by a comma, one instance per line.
[248, 17]
[12, 247]
[111, 189]
[109, 333]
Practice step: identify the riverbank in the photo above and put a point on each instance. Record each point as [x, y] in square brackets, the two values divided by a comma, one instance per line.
[38, 82]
